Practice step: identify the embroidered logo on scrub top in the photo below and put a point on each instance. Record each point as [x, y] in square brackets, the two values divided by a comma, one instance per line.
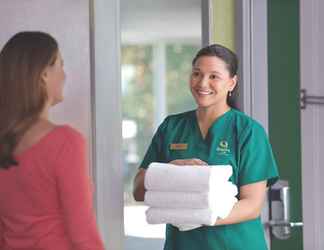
[223, 148]
[178, 146]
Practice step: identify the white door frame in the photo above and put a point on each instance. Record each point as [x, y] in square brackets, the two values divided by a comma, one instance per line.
[252, 50]
[107, 120]
[207, 34]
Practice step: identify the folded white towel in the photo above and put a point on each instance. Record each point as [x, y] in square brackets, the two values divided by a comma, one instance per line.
[181, 216]
[169, 177]
[189, 217]
[209, 199]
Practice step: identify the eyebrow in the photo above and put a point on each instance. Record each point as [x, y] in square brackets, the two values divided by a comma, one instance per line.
[215, 72]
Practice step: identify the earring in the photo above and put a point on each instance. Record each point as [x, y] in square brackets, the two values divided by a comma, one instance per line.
[230, 93]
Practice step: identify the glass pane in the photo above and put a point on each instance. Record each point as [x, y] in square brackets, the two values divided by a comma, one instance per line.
[157, 50]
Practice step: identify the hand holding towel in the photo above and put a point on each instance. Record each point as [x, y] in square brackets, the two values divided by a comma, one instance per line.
[188, 196]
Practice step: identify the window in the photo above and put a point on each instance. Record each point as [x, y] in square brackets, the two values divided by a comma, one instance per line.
[157, 50]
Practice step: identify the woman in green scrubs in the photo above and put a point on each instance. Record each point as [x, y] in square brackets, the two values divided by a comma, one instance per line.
[216, 134]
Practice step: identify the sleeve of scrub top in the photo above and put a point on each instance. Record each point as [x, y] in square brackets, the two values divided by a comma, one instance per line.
[257, 162]
[154, 153]
[75, 193]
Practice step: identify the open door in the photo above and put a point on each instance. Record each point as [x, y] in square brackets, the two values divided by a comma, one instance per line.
[312, 120]
[284, 123]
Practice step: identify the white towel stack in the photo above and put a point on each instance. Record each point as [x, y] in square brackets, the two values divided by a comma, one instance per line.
[188, 196]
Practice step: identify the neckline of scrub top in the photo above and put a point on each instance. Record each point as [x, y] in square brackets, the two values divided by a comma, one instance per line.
[197, 127]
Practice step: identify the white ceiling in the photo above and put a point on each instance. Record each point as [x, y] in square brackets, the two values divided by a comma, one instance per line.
[147, 21]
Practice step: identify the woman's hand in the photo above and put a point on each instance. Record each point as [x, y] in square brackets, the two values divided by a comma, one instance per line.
[139, 189]
[249, 206]
[193, 161]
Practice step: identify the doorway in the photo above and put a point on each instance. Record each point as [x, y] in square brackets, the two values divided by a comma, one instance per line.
[158, 42]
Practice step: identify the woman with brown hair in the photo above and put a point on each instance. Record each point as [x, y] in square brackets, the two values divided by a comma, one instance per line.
[45, 193]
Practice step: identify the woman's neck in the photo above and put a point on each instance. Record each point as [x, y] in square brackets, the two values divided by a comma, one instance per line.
[206, 117]
[44, 115]
[210, 114]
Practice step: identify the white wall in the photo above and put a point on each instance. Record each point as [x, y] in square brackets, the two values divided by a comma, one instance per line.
[68, 22]
[107, 146]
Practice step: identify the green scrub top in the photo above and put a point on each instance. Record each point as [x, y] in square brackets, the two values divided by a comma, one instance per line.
[233, 139]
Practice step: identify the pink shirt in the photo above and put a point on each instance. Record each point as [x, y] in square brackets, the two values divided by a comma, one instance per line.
[46, 201]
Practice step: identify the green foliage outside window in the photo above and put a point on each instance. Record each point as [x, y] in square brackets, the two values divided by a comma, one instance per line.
[138, 97]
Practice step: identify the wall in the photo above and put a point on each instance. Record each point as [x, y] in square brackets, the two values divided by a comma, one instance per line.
[224, 22]
[68, 22]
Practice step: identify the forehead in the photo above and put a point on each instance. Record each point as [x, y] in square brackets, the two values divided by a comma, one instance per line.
[58, 58]
[210, 63]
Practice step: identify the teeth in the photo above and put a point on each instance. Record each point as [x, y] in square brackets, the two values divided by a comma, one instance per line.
[204, 92]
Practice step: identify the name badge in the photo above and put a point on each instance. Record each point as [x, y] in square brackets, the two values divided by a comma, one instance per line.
[178, 146]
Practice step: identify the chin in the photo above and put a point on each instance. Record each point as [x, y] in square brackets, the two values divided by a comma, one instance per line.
[57, 101]
[203, 104]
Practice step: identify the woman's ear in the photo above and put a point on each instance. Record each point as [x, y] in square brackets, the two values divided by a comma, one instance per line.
[44, 76]
[233, 82]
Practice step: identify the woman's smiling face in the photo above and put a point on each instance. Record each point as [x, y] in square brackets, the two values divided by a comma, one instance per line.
[211, 81]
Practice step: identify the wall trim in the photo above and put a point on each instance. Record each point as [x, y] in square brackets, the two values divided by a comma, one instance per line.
[106, 118]
[252, 50]
[207, 22]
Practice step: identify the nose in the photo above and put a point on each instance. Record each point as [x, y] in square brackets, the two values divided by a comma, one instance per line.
[203, 81]
[64, 75]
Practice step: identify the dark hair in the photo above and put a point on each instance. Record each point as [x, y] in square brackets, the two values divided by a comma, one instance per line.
[23, 94]
[228, 57]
